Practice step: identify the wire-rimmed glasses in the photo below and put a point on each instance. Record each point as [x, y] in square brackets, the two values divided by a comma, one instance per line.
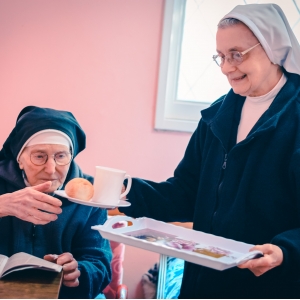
[61, 158]
[233, 57]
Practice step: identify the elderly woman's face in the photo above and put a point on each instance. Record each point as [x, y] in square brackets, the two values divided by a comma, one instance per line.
[256, 75]
[50, 171]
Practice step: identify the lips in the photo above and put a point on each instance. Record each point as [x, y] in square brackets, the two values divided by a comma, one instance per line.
[238, 78]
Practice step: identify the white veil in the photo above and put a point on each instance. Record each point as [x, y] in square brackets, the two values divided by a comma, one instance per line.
[270, 25]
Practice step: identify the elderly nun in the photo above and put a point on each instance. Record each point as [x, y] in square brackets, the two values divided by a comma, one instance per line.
[38, 158]
[240, 175]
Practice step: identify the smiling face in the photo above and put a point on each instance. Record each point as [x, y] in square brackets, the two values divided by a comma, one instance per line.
[256, 75]
[50, 171]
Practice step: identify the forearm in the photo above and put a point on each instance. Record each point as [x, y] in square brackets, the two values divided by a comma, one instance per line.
[166, 201]
[173, 199]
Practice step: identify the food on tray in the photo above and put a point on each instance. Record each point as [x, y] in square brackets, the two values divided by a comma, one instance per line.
[79, 188]
[208, 252]
[213, 251]
[150, 235]
[181, 244]
[149, 238]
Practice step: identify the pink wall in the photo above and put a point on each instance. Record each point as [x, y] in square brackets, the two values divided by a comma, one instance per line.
[98, 59]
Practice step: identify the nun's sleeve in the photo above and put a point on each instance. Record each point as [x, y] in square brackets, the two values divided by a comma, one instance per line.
[173, 199]
[94, 255]
[289, 241]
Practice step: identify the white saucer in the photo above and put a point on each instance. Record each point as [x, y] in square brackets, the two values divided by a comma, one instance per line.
[121, 203]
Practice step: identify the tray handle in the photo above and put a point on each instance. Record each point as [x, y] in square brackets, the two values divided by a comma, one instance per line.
[117, 219]
[250, 255]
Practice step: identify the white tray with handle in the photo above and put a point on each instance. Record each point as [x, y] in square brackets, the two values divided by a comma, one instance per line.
[190, 245]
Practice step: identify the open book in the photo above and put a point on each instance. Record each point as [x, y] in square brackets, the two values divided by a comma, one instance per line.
[22, 261]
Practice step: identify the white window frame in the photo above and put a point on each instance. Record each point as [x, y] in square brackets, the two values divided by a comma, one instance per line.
[172, 113]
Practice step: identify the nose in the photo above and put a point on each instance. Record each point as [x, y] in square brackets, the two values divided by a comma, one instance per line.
[226, 68]
[50, 165]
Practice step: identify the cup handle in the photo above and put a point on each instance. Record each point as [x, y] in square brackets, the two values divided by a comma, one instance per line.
[129, 181]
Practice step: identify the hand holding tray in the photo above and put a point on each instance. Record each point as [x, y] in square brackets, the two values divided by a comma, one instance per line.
[194, 246]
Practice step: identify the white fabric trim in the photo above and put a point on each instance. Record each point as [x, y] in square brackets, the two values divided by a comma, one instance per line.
[270, 25]
[254, 107]
[48, 136]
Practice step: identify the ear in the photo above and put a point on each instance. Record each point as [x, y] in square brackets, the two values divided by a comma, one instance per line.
[20, 165]
[20, 162]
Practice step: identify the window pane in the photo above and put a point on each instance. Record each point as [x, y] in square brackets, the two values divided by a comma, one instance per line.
[199, 78]
[189, 80]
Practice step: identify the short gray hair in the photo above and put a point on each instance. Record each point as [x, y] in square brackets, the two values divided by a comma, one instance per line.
[228, 22]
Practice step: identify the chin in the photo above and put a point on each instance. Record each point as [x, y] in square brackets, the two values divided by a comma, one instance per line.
[240, 92]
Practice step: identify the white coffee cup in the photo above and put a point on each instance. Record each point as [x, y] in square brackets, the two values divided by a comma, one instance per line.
[108, 185]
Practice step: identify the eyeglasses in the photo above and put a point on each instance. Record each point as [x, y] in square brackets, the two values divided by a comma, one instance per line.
[61, 158]
[233, 57]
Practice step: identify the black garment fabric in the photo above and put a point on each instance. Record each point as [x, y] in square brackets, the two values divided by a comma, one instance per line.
[257, 203]
[33, 119]
[71, 232]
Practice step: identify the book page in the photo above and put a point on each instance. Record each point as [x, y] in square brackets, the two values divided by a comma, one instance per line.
[21, 261]
[3, 260]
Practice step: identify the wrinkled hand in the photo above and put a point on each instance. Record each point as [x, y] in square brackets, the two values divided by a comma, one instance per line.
[70, 267]
[31, 204]
[272, 258]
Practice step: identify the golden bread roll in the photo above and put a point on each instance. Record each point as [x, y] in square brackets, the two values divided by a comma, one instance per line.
[79, 188]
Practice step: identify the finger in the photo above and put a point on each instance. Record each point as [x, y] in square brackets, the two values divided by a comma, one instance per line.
[51, 257]
[71, 276]
[266, 248]
[256, 263]
[43, 187]
[44, 198]
[37, 202]
[35, 220]
[72, 283]
[123, 189]
[64, 258]
[260, 271]
[36, 215]
[70, 266]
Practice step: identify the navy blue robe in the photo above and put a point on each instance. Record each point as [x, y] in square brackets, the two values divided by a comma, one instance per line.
[71, 232]
[248, 192]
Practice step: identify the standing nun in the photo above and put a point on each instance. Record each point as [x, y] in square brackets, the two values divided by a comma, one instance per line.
[240, 175]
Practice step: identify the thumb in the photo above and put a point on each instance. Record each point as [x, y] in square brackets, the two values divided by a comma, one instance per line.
[51, 257]
[43, 187]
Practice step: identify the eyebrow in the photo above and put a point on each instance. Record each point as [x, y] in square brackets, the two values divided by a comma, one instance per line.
[231, 49]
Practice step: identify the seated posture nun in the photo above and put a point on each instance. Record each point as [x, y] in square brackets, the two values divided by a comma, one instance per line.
[240, 175]
[37, 159]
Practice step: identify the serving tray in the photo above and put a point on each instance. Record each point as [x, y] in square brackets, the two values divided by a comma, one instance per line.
[190, 245]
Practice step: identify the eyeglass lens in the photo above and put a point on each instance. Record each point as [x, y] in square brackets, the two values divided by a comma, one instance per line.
[233, 57]
[40, 158]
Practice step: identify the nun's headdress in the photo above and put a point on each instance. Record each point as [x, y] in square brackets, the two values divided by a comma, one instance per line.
[41, 125]
[269, 24]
